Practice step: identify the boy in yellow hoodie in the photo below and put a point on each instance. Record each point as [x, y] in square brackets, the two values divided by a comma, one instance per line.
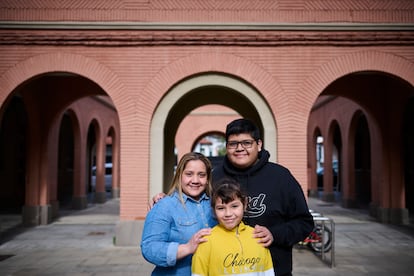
[231, 248]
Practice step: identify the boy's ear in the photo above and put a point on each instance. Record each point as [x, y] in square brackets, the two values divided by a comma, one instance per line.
[259, 144]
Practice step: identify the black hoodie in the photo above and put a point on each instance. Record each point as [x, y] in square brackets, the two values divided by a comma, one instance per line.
[276, 201]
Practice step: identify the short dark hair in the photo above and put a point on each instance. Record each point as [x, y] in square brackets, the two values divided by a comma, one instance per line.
[228, 189]
[243, 125]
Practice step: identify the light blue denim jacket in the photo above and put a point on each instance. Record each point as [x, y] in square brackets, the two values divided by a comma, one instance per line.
[169, 224]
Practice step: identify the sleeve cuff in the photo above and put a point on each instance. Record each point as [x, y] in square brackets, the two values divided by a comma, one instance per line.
[172, 253]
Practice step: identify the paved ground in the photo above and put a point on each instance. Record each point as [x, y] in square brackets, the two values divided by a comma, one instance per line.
[81, 243]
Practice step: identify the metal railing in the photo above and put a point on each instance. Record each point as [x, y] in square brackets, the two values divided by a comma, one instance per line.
[321, 223]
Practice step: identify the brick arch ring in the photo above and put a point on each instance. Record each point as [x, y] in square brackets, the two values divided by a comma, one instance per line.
[66, 62]
[160, 117]
[355, 62]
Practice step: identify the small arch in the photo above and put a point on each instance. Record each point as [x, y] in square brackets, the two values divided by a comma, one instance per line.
[331, 156]
[206, 134]
[315, 159]
[217, 146]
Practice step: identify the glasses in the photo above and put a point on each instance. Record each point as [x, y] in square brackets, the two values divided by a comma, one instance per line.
[245, 144]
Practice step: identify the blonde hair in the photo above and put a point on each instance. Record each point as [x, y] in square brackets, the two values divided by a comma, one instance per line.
[176, 182]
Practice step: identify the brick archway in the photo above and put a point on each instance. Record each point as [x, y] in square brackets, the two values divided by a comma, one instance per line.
[47, 65]
[383, 199]
[160, 117]
[350, 63]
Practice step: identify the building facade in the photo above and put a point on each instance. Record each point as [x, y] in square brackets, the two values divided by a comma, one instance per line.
[78, 76]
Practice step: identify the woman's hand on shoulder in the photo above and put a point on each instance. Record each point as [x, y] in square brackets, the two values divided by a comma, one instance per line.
[191, 246]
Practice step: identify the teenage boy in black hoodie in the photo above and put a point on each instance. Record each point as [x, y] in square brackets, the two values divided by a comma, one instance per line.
[277, 207]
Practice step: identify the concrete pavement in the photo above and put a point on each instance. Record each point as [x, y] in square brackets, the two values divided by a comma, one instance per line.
[82, 243]
[362, 246]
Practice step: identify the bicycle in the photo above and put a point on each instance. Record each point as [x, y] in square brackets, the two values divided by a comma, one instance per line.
[314, 239]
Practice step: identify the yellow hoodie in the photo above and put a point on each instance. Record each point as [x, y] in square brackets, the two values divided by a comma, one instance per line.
[232, 252]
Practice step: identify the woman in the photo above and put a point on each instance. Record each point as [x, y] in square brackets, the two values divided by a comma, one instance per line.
[176, 225]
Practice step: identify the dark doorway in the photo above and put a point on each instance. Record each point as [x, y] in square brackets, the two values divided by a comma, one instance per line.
[65, 162]
[13, 156]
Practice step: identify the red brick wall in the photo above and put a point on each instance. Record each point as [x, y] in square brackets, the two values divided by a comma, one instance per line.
[237, 11]
[288, 75]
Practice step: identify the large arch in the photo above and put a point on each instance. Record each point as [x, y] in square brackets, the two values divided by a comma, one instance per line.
[361, 65]
[351, 63]
[86, 67]
[347, 64]
[196, 65]
[160, 117]
[327, 73]
[56, 66]
[64, 62]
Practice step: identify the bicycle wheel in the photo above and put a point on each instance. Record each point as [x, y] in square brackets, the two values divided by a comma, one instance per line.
[327, 239]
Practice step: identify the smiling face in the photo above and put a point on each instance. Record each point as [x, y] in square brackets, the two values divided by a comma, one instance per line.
[194, 179]
[229, 214]
[243, 157]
